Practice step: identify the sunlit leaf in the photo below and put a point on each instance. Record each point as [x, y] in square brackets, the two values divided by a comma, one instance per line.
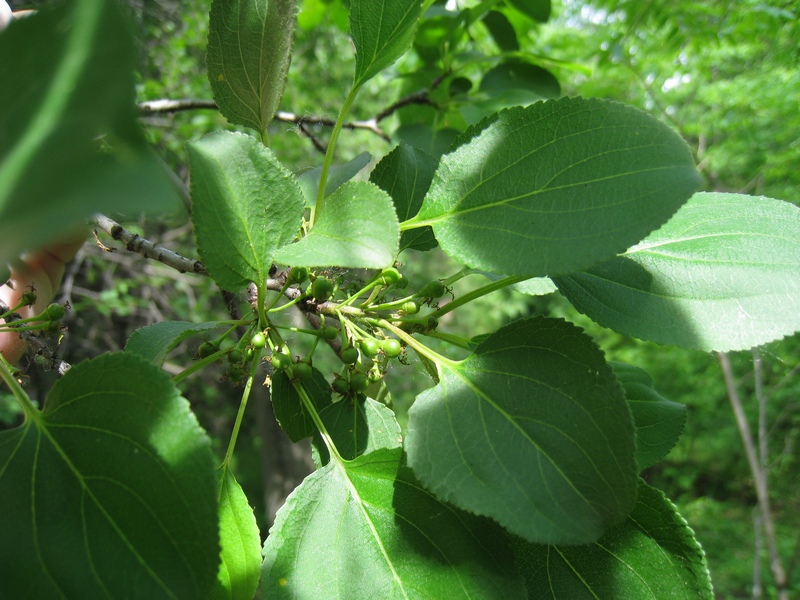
[722, 274]
[556, 186]
[110, 491]
[358, 229]
[240, 564]
[531, 430]
[382, 32]
[366, 529]
[249, 50]
[245, 205]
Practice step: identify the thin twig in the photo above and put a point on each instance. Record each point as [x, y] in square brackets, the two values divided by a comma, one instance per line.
[139, 245]
[759, 477]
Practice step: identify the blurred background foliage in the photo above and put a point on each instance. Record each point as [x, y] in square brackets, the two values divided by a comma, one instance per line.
[725, 76]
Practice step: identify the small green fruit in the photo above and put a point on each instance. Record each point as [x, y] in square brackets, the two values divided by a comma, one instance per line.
[54, 312]
[280, 361]
[258, 340]
[392, 348]
[358, 382]
[340, 386]
[302, 371]
[409, 308]
[370, 347]
[389, 276]
[206, 349]
[321, 289]
[234, 373]
[235, 356]
[349, 355]
[329, 333]
[432, 289]
[297, 275]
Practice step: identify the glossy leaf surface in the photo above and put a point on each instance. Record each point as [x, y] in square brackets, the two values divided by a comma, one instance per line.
[723, 274]
[406, 174]
[556, 186]
[245, 205]
[110, 491]
[240, 565]
[531, 430]
[154, 342]
[381, 32]
[651, 556]
[358, 229]
[659, 422]
[249, 50]
[366, 529]
[63, 153]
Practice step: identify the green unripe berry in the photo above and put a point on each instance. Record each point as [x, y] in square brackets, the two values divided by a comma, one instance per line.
[329, 333]
[370, 347]
[410, 308]
[358, 382]
[432, 289]
[321, 289]
[235, 356]
[54, 312]
[297, 275]
[401, 284]
[234, 373]
[349, 355]
[28, 298]
[206, 349]
[392, 348]
[340, 386]
[433, 322]
[280, 361]
[302, 371]
[258, 340]
[248, 353]
[389, 276]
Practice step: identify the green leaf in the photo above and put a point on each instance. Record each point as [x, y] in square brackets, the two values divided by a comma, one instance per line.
[339, 174]
[406, 174]
[723, 274]
[556, 186]
[289, 410]
[659, 422]
[366, 529]
[239, 569]
[501, 30]
[538, 10]
[245, 205]
[531, 430]
[530, 83]
[110, 492]
[154, 342]
[249, 50]
[651, 556]
[358, 427]
[69, 144]
[358, 229]
[536, 286]
[432, 141]
[381, 32]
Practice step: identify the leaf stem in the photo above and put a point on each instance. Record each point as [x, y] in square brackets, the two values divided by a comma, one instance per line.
[416, 344]
[477, 293]
[248, 386]
[312, 411]
[7, 375]
[328, 161]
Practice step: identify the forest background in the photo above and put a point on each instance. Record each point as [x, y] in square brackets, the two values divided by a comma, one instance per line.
[728, 80]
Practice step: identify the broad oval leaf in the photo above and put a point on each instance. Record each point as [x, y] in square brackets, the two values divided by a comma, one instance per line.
[67, 83]
[358, 229]
[406, 174]
[531, 430]
[382, 32]
[155, 341]
[249, 50]
[556, 186]
[366, 529]
[245, 205]
[110, 491]
[237, 578]
[723, 274]
[651, 556]
[659, 422]
[338, 174]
